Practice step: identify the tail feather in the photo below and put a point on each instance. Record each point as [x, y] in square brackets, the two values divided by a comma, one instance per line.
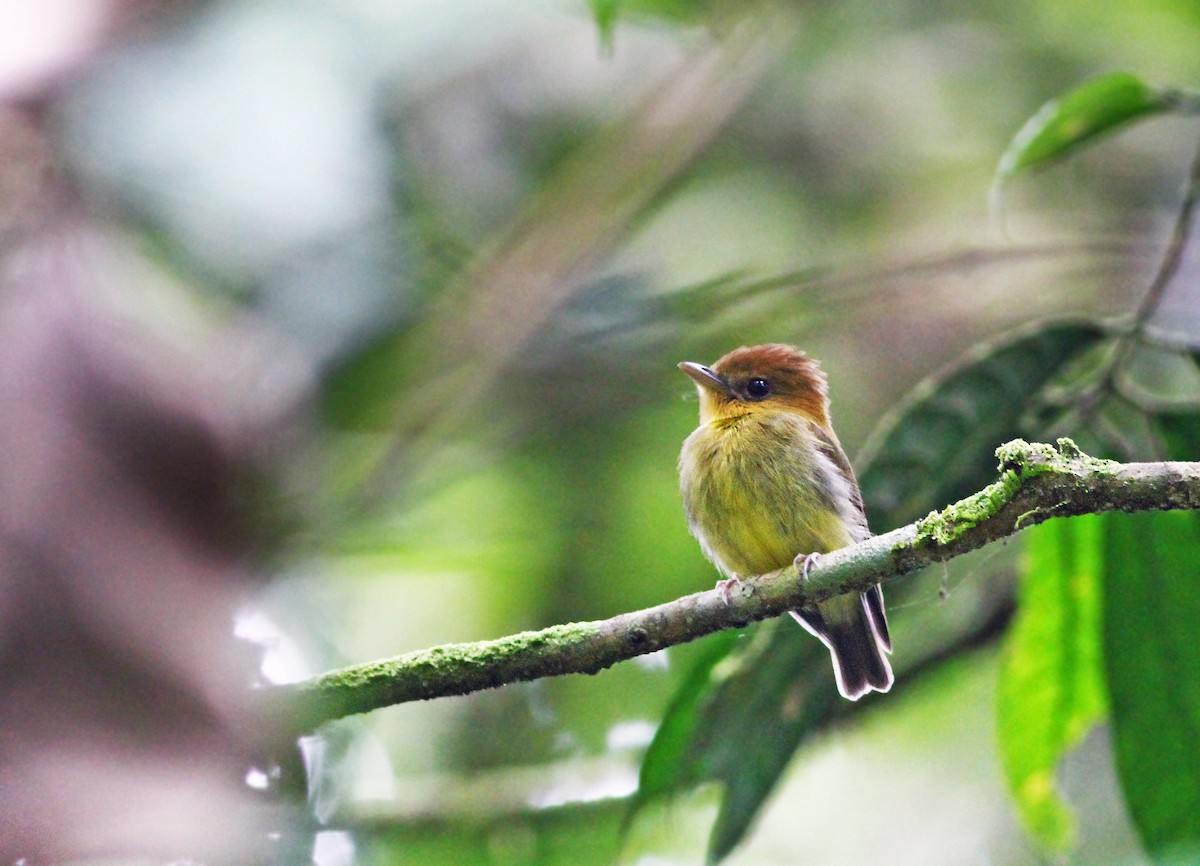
[873, 598]
[854, 628]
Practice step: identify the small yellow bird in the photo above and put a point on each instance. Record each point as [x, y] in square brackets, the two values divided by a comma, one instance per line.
[766, 483]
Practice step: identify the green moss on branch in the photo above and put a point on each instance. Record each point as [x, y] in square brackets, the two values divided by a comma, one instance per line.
[1036, 482]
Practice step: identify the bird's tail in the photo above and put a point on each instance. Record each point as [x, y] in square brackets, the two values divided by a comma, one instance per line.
[854, 627]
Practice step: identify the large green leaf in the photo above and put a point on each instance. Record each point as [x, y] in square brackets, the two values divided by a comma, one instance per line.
[666, 759]
[1151, 605]
[1067, 122]
[1050, 689]
[774, 694]
[776, 689]
[607, 12]
[937, 446]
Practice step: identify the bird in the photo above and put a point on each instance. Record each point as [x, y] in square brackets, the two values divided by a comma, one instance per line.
[766, 483]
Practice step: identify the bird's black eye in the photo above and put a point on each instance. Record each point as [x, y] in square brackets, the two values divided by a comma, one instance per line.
[757, 389]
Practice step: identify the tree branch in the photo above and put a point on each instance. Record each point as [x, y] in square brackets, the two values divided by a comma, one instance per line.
[1037, 482]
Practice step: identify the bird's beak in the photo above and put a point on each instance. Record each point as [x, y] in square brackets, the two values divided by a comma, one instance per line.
[706, 378]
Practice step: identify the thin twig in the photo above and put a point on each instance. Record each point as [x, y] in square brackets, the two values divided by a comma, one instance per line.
[1175, 249]
[1089, 403]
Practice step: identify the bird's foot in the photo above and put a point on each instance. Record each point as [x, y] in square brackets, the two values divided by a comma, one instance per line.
[731, 586]
[803, 563]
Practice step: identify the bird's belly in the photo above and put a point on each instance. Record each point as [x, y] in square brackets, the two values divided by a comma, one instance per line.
[754, 510]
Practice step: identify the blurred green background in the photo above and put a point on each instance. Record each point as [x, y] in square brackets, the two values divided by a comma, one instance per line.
[460, 248]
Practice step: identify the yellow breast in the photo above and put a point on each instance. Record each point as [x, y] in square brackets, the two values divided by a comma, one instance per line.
[758, 491]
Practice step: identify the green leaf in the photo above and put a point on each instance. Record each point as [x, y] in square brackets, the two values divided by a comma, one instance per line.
[1180, 433]
[738, 718]
[1066, 123]
[1151, 605]
[777, 693]
[1050, 691]
[666, 758]
[605, 12]
[938, 445]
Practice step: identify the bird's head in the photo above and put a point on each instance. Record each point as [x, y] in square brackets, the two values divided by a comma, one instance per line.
[754, 379]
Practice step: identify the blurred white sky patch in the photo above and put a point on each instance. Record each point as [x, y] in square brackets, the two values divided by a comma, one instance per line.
[258, 140]
[250, 136]
[255, 132]
[42, 39]
[282, 659]
[630, 734]
[252, 140]
[421, 41]
[582, 782]
[659, 660]
[333, 848]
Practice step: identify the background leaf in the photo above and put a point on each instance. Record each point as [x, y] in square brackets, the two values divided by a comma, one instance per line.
[1067, 122]
[1050, 689]
[1151, 606]
[937, 445]
[666, 756]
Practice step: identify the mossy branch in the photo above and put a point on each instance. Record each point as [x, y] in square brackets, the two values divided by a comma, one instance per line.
[1037, 482]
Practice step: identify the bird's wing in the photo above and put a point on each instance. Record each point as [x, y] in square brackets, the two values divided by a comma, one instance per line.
[873, 597]
[827, 442]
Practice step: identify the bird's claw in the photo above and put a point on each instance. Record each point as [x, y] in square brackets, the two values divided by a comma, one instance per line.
[803, 562]
[733, 585]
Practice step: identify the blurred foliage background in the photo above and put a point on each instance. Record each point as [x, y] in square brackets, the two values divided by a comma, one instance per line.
[449, 254]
